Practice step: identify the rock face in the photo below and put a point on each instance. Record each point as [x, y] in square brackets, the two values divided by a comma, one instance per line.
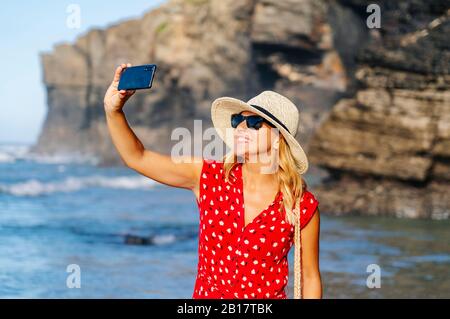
[387, 148]
[204, 50]
[377, 100]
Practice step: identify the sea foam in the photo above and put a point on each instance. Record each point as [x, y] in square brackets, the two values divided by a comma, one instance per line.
[34, 187]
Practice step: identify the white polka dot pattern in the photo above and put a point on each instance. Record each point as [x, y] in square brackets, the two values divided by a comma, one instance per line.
[237, 261]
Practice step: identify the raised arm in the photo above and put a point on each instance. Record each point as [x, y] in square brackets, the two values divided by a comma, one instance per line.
[158, 167]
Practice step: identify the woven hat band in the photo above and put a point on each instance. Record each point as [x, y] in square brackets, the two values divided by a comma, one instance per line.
[273, 117]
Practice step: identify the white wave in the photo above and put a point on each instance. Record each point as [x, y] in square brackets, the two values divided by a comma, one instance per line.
[61, 158]
[7, 158]
[10, 153]
[35, 187]
[163, 239]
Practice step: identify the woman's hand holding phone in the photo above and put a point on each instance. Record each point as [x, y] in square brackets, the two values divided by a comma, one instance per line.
[115, 99]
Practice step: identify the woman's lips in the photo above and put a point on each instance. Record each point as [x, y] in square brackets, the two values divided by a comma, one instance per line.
[242, 139]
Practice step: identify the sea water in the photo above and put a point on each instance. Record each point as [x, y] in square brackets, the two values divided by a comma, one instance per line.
[64, 210]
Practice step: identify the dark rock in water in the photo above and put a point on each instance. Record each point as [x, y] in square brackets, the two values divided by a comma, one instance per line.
[388, 147]
[138, 240]
[161, 239]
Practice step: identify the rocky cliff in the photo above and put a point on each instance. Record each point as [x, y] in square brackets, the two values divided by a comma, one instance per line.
[204, 50]
[375, 102]
[387, 147]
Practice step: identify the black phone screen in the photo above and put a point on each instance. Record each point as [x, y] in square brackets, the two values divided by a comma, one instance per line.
[137, 77]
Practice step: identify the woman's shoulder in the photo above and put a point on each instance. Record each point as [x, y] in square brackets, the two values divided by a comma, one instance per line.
[211, 166]
[308, 207]
[308, 198]
[213, 163]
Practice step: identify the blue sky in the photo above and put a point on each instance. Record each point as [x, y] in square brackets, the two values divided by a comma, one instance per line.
[31, 27]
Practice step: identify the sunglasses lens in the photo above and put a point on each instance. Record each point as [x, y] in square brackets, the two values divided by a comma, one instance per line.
[236, 119]
[255, 122]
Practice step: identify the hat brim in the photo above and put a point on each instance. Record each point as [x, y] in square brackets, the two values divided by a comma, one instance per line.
[221, 111]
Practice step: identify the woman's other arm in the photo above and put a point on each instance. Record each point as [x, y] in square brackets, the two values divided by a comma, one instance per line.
[311, 281]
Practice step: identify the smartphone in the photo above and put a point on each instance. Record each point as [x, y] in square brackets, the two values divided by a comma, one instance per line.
[137, 77]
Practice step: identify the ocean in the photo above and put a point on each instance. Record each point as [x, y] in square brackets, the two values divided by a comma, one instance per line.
[65, 210]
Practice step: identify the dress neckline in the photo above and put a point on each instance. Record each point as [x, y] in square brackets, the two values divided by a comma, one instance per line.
[261, 213]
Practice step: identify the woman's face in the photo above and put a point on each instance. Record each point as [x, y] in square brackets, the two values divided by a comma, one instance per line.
[251, 143]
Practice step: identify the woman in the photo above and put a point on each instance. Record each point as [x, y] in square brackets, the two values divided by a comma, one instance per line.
[242, 252]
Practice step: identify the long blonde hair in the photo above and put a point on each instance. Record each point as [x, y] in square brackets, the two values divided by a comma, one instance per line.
[290, 180]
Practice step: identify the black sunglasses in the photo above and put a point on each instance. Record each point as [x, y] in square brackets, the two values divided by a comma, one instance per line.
[253, 121]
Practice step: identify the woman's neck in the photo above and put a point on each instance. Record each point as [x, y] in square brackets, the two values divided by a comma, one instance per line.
[254, 177]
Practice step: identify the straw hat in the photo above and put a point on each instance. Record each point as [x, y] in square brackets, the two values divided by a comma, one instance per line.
[274, 107]
[282, 113]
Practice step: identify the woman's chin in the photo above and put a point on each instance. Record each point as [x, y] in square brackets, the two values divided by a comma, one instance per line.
[245, 153]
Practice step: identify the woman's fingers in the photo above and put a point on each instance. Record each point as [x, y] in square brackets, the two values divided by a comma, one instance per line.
[129, 93]
[122, 94]
[119, 71]
[126, 93]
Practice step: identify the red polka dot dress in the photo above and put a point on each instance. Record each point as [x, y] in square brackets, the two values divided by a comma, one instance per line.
[238, 261]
